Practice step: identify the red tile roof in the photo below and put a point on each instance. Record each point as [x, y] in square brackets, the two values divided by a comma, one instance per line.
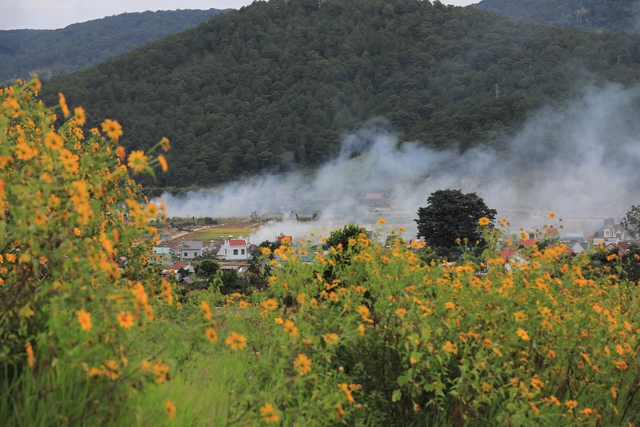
[237, 242]
[527, 242]
[506, 254]
[374, 196]
[178, 265]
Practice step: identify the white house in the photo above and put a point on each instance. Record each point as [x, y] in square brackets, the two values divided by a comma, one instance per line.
[234, 250]
[189, 249]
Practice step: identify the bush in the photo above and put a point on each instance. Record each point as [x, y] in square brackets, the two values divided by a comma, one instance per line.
[392, 341]
[76, 285]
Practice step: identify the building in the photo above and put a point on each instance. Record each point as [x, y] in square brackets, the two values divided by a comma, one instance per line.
[189, 249]
[234, 250]
[166, 254]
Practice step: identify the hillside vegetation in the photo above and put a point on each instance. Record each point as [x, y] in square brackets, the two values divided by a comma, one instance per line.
[276, 83]
[54, 52]
[614, 15]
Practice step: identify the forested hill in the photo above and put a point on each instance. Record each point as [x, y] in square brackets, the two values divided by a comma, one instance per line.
[78, 46]
[276, 83]
[612, 15]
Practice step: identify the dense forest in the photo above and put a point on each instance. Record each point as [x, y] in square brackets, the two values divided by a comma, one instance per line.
[78, 46]
[613, 15]
[275, 84]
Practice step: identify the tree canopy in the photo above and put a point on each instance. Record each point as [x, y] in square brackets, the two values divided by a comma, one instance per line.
[275, 84]
[621, 15]
[451, 215]
[50, 53]
[631, 221]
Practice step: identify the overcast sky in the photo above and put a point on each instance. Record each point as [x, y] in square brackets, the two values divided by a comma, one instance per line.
[52, 14]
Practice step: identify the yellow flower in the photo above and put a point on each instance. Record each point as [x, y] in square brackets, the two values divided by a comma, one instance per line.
[120, 153]
[269, 414]
[236, 341]
[84, 318]
[270, 304]
[113, 129]
[571, 403]
[211, 335]
[171, 409]
[148, 311]
[164, 143]
[331, 338]
[449, 347]
[137, 161]
[290, 327]
[551, 215]
[31, 360]
[125, 320]
[621, 365]
[63, 105]
[206, 309]
[303, 364]
[163, 163]
[519, 316]
[401, 312]
[25, 152]
[483, 221]
[161, 370]
[339, 410]
[345, 388]
[81, 118]
[523, 334]
[53, 141]
[382, 221]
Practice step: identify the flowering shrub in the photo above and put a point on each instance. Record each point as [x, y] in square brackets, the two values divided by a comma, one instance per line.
[76, 286]
[392, 341]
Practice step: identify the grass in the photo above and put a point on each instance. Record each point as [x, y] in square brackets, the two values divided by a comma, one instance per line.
[217, 233]
[205, 376]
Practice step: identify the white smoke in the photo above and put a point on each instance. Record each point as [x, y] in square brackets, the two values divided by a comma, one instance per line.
[580, 159]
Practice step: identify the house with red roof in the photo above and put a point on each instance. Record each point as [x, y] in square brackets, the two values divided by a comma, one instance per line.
[234, 250]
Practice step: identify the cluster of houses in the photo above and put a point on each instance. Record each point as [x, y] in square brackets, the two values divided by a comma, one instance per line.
[610, 236]
[230, 250]
[235, 253]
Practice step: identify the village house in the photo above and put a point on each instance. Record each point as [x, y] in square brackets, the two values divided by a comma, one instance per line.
[166, 254]
[610, 230]
[189, 249]
[234, 250]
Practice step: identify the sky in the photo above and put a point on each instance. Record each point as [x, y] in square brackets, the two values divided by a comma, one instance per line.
[54, 14]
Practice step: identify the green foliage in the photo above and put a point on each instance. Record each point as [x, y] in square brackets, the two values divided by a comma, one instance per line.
[451, 217]
[278, 82]
[631, 221]
[342, 236]
[76, 286]
[586, 14]
[207, 268]
[50, 53]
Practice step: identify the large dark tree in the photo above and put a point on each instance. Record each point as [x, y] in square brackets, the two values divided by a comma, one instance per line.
[451, 214]
[207, 268]
[631, 222]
